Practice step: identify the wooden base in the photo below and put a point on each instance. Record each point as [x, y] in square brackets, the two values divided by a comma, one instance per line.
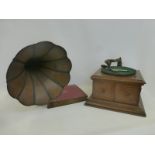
[71, 94]
[120, 107]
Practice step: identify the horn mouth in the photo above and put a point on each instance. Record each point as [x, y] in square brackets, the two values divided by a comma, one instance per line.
[33, 64]
[38, 73]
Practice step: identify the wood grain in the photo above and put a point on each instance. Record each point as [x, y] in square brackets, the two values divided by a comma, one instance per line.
[117, 93]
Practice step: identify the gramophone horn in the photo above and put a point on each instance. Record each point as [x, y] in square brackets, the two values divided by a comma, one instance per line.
[38, 73]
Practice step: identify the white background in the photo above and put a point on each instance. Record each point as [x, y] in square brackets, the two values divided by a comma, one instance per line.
[88, 43]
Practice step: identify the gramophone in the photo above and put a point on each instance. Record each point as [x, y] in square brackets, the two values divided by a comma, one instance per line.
[39, 75]
[117, 88]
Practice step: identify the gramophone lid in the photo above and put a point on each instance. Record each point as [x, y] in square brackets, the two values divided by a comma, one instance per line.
[137, 78]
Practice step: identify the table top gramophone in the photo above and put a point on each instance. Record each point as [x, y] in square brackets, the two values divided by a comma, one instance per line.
[117, 88]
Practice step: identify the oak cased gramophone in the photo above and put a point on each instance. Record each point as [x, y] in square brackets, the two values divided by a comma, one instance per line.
[117, 88]
[39, 74]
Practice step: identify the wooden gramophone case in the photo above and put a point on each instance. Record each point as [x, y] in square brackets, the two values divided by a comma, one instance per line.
[117, 92]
